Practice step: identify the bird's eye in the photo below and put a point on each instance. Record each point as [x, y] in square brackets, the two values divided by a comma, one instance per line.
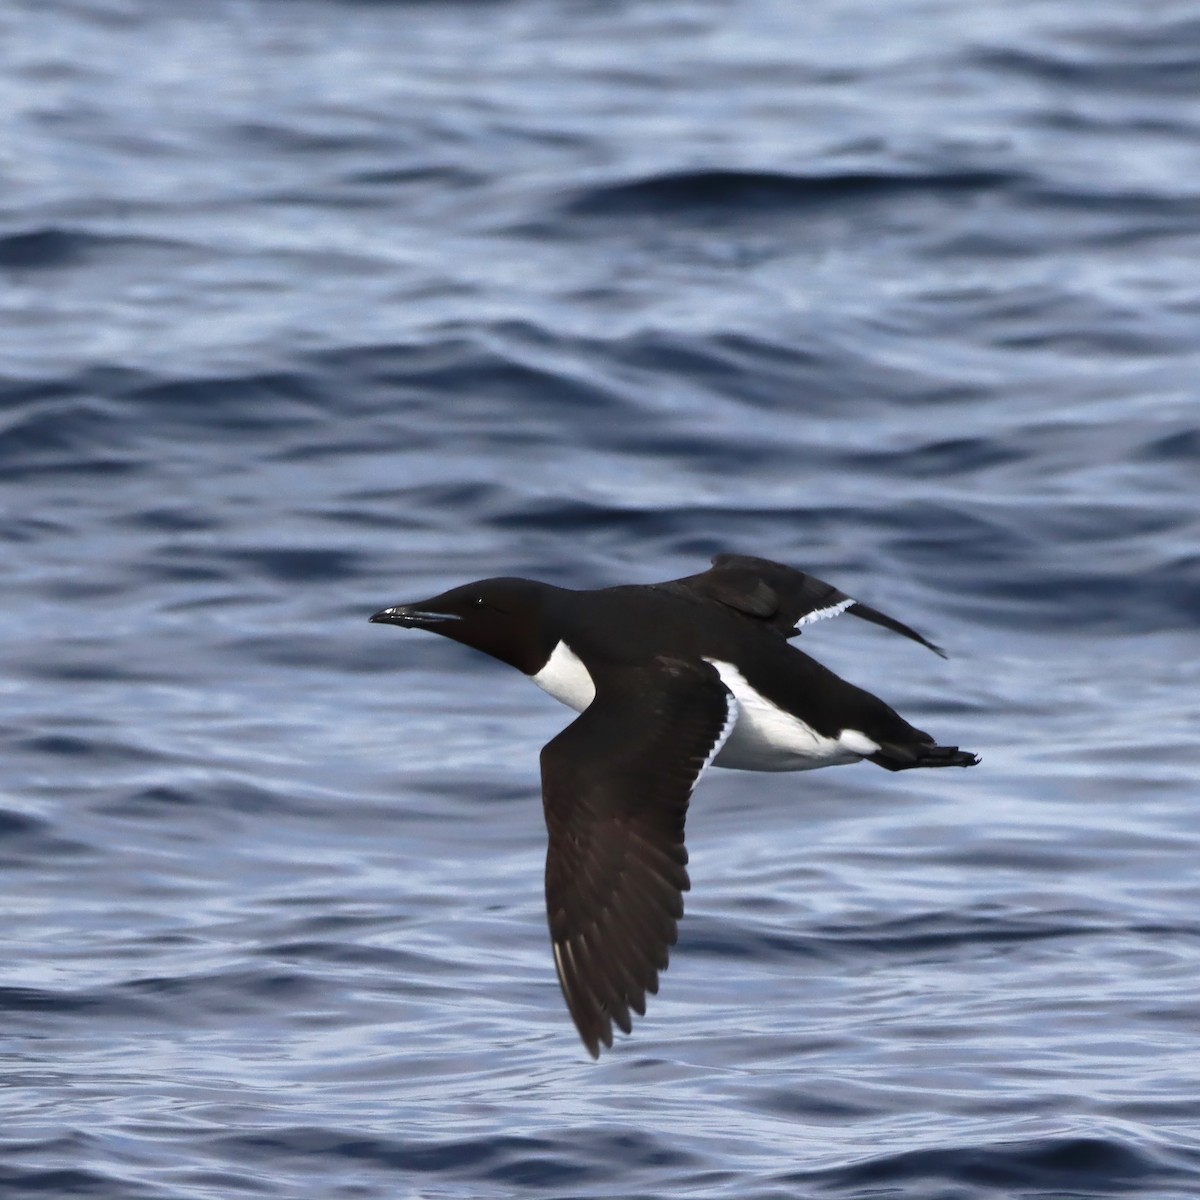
[477, 602]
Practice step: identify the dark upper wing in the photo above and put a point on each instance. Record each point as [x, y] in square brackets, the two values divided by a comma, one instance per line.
[783, 597]
[615, 785]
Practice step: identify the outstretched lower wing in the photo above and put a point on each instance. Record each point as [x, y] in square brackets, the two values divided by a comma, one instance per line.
[616, 784]
[782, 597]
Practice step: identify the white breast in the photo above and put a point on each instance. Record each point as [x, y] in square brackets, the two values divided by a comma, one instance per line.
[766, 738]
[566, 679]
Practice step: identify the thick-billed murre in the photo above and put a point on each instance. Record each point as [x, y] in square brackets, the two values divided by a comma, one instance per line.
[669, 678]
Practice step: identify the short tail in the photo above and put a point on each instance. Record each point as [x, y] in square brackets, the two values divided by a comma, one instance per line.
[904, 757]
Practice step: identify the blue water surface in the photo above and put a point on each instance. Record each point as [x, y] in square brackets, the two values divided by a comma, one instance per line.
[317, 306]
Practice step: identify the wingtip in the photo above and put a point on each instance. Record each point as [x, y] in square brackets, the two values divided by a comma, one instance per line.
[595, 1039]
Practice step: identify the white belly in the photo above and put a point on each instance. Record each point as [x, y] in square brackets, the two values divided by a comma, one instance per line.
[768, 739]
[765, 737]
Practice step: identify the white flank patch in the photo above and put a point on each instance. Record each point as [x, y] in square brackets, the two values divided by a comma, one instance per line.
[820, 614]
[566, 679]
[765, 738]
[857, 741]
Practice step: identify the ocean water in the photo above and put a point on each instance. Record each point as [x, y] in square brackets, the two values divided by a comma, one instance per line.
[311, 307]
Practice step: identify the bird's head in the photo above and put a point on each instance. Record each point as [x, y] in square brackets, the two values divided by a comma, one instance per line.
[501, 617]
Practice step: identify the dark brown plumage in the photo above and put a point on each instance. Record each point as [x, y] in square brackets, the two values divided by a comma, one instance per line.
[616, 867]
